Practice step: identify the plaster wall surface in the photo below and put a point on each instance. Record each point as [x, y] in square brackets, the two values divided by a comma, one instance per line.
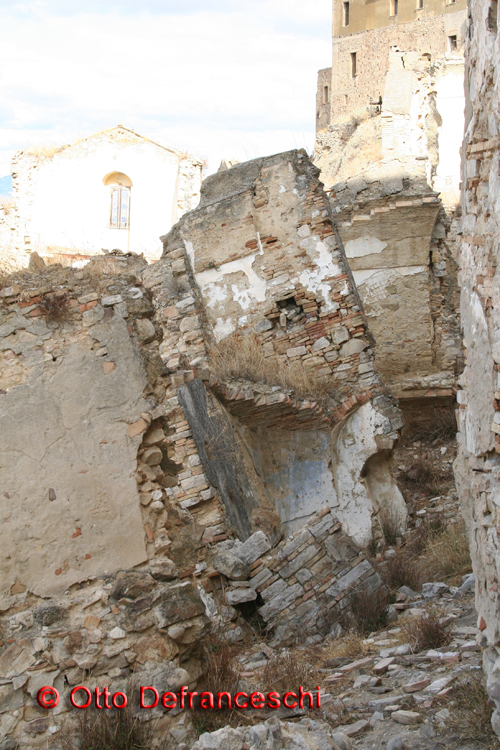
[297, 469]
[68, 466]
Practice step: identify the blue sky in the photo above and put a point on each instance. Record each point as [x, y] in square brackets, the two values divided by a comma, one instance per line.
[223, 78]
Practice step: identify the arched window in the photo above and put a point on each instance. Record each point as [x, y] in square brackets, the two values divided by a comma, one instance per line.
[119, 214]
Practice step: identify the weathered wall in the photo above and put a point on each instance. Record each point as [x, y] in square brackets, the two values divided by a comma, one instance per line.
[66, 453]
[477, 467]
[63, 206]
[384, 172]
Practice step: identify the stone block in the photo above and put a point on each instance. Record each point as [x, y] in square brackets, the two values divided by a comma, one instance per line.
[281, 602]
[114, 299]
[231, 566]
[299, 562]
[240, 595]
[253, 548]
[297, 351]
[178, 603]
[145, 330]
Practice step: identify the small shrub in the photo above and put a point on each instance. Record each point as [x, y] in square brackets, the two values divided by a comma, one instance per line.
[287, 670]
[434, 552]
[55, 307]
[109, 730]
[442, 426]
[221, 676]
[471, 711]
[426, 632]
[402, 570]
[219, 655]
[368, 610]
[348, 646]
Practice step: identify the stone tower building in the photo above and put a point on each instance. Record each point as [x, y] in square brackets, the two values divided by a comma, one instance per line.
[364, 33]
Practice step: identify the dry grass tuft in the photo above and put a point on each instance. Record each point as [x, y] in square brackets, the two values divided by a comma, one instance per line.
[44, 150]
[7, 205]
[434, 552]
[241, 357]
[426, 632]
[348, 646]
[471, 711]
[422, 476]
[368, 610]
[447, 555]
[108, 730]
[287, 670]
[219, 655]
[402, 570]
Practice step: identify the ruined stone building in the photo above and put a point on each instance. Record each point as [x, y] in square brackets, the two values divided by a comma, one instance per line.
[389, 129]
[477, 467]
[145, 460]
[113, 190]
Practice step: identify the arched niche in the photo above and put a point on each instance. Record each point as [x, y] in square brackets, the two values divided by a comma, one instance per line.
[118, 178]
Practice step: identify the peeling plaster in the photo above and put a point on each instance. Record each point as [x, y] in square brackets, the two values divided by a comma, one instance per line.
[212, 283]
[313, 280]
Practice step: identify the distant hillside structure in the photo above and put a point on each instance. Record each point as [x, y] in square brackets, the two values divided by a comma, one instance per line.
[114, 190]
[365, 32]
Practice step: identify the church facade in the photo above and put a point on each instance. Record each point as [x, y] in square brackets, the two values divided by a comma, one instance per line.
[115, 190]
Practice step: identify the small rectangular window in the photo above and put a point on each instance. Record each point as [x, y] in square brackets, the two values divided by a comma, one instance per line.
[492, 21]
[452, 40]
[420, 4]
[326, 95]
[354, 65]
[346, 14]
[394, 7]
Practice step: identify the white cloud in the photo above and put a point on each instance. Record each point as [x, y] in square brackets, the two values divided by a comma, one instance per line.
[237, 84]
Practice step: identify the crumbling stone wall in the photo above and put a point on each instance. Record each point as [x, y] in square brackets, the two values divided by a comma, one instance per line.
[129, 465]
[306, 581]
[477, 467]
[266, 258]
